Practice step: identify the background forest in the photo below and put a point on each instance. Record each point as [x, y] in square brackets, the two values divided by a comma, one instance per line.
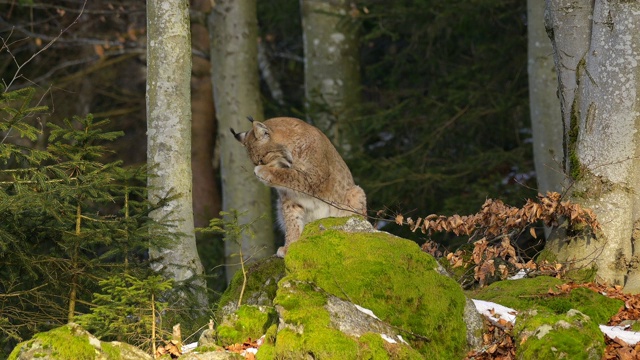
[441, 124]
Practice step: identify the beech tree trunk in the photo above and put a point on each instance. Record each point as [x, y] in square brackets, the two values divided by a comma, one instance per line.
[233, 28]
[169, 136]
[546, 117]
[597, 50]
[331, 67]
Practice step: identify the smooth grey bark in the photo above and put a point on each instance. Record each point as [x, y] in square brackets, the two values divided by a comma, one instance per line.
[603, 117]
[546, 116]
[169, 136]
[233, 31]
[331, 67]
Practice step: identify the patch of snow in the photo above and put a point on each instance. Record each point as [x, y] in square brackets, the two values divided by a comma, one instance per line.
[402, 340]
[366, 311]
[630, 337]
[519, 275]
[189, 347]
[388, 339]
[499, 312]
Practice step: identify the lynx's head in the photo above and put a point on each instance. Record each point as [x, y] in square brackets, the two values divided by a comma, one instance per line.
[261, 147]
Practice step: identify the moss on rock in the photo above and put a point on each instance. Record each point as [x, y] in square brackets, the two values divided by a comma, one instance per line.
[526, 294]
[572, 335]
[554, 326]
[262, 283]
[338, 263]
[247, 322]
[71, 341]
[386, 274]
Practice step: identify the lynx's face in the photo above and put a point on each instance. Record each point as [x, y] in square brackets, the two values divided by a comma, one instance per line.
[262, 149]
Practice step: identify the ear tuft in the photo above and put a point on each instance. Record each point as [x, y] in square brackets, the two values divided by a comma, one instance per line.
[250, 118]
[239, 136]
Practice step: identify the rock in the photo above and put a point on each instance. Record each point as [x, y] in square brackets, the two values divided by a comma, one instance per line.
[262, 283]
[207, 338]
[73, 342]
[553, 326]
[567, 336]
[338, 268]
[475, 325]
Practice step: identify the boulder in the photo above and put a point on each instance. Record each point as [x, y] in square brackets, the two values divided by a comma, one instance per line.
[351, 292]
[553, 325]
[73, 342]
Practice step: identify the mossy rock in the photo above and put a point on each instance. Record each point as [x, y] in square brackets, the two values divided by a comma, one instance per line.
[582, 308]
[307, 330]
[572, 335]
[73, 342]
[378, 271]
[260, 289]
[336, 264]
[248, 321]
[526, 294]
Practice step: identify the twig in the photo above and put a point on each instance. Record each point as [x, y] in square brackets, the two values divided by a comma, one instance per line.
[48, 45]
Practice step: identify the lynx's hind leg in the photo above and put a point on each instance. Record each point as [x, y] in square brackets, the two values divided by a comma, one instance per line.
[291, 217]
[356, 200]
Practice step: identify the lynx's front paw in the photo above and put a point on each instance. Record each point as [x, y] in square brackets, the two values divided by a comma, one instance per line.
[263, 174]
[282, 251]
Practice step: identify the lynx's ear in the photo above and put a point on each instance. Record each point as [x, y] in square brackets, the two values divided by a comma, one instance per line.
[260, 130]
[240, 137]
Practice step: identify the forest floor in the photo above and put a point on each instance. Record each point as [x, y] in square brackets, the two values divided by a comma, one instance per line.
[621, 344]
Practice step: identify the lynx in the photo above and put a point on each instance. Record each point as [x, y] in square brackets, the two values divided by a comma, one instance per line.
[299, 161]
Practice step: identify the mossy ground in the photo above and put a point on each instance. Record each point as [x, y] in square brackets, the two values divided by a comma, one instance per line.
[63, 342]
[525, 294]
[388, 275]
[581, 341]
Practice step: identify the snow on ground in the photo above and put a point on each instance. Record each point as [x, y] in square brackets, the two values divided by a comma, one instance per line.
[495, 312]
[630, 337]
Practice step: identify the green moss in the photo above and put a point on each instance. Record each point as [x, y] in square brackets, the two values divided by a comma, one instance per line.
[389, 275]
[111, 352]
[266, 352]
[62, 341]
[582, 340]
[251, 322]
[372, 347]
[303, 310]
[262, 279]
[525, 294]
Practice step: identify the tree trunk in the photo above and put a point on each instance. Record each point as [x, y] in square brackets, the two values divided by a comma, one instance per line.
[234, 34]
[331, 67]
[597, 47]
[546, 117]
[169, 135]
[206, 197]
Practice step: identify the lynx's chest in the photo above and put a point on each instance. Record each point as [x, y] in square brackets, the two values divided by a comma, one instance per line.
[314, 208]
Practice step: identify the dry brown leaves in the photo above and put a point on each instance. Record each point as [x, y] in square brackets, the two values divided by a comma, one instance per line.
[172, 348]
[496, 218]
[497, 342]
[242, 348]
